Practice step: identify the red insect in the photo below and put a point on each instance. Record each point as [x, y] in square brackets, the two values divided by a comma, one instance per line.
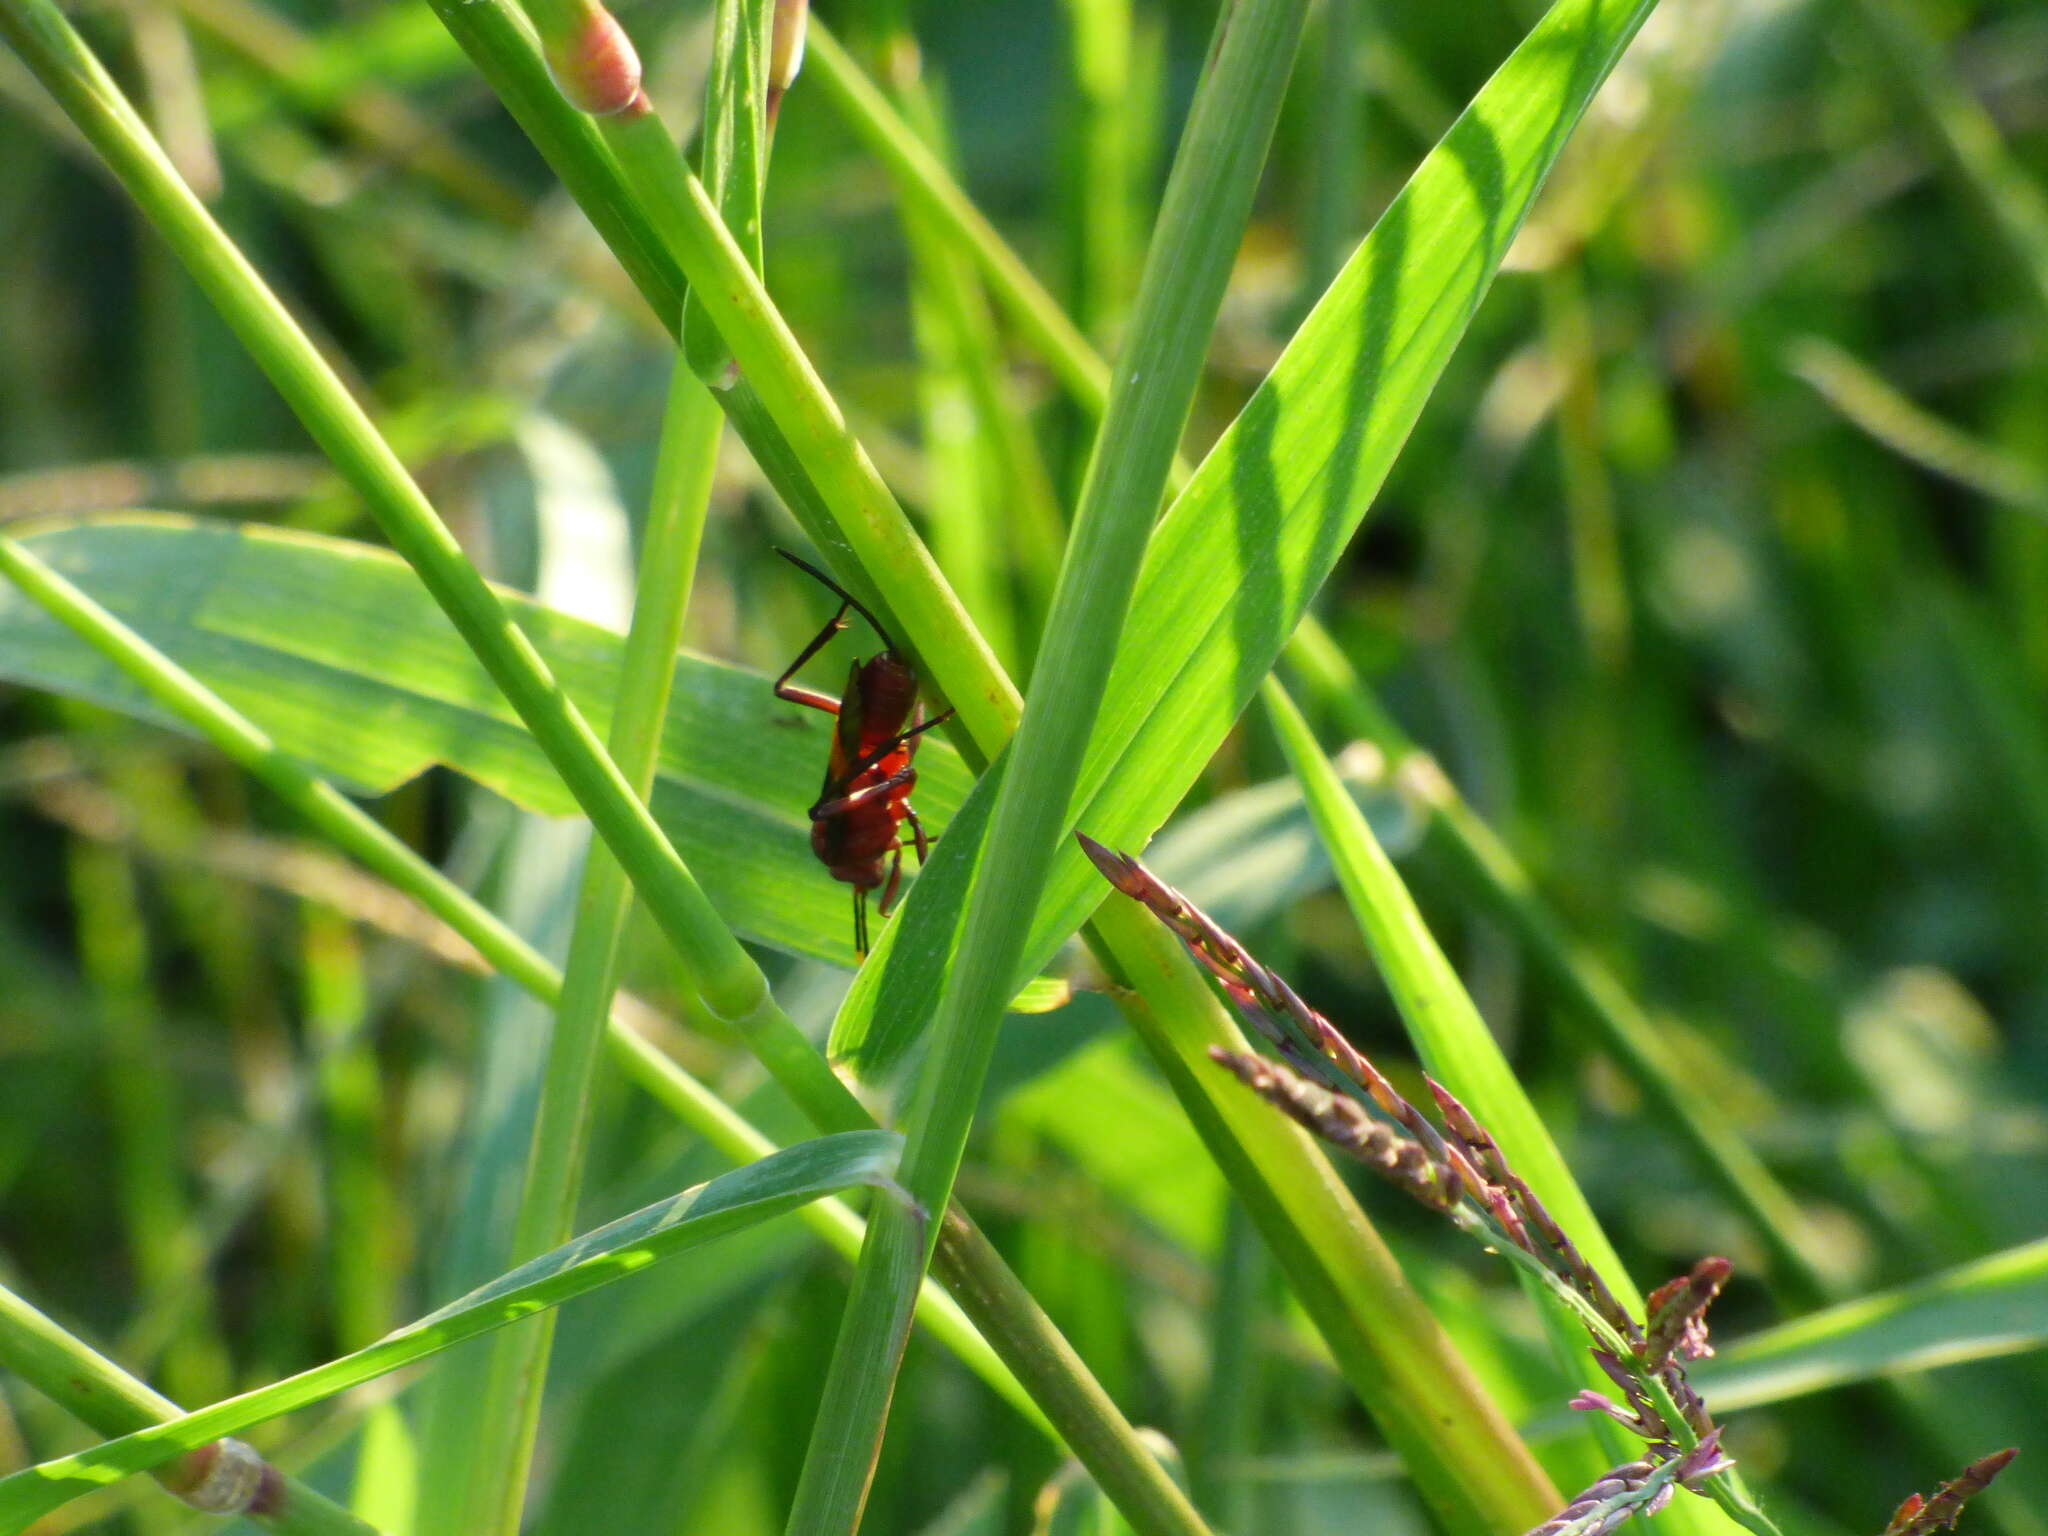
[856, 820]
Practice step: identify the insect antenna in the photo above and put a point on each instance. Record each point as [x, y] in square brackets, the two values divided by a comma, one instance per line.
[844, 596]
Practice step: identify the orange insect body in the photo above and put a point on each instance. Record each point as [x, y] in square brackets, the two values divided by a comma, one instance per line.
[864, 803]
[869, 770]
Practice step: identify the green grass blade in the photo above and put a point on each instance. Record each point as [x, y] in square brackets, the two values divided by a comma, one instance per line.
[733, 155]
[534, 864]
[921, 176]
[734, 1201]
[1102, 191]
[1249, 541]
[1873, 405]
[160, 1234]
[101, 1394]
[1978, 1311]
[1207, 202]
[991, 505]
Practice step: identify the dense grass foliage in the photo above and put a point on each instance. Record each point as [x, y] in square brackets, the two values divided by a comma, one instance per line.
[1590, 639]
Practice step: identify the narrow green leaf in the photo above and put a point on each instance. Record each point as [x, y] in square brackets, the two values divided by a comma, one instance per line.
[502, 1430]
[733, 157]
[1874, 404]
[762, 1190]
[1244, 548]
[1977, 1311]
[100, 1393]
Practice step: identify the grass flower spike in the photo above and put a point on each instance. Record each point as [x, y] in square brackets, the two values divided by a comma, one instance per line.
[1328, 1086]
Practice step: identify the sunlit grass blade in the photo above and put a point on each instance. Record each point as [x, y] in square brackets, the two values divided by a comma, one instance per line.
[113, 1402]
[733, 155]
[758, 1192]
[1200, 225]
[1978, 1311]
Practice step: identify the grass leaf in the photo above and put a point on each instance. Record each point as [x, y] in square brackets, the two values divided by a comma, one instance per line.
[761, 1190]
[1994, 1306]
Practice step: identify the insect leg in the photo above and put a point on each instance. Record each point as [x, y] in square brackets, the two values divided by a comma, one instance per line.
[796, 694]
[860, 922]
[895, 879]
[924, 843]
[867, 794]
